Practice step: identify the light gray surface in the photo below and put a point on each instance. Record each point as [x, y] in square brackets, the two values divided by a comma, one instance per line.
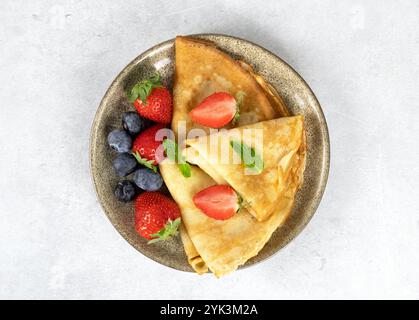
[361, 60]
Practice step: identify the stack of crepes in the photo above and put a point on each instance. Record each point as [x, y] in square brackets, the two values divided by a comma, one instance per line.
[268, 196]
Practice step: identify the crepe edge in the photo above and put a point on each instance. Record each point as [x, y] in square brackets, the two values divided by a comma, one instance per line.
[194, 258]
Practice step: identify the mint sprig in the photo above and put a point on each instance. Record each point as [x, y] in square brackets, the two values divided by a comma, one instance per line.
[143, 89]
[169, 230]
[172, 152]
[240, 202]
[239, 101]
[145, 162]
[185, 169]
[248, 156]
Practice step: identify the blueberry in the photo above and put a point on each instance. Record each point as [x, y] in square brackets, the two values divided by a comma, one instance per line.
[132, 122]
[125, 191]
[124, 164]
[120, 141]
[147, 180]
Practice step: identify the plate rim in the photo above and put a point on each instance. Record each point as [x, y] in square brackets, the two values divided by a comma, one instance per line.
[324, 128]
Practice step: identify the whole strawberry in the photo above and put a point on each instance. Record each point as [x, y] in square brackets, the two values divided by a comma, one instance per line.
[157, 217]
[152, 100]
[146, 145]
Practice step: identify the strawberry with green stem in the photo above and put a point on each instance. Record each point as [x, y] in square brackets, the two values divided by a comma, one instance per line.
[145, 146]
[157, 217]
[152, 100]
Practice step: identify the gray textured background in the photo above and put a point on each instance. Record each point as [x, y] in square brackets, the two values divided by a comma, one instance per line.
[360, 58]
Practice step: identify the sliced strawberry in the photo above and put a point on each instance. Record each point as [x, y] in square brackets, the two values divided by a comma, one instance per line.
[219, 202]
[157, 217]
[216, 110]
[146, 143]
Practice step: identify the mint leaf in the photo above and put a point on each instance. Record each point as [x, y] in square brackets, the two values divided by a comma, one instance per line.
[145, 162]
[237, 146]
[171, 148]
[185, 168]
[248, 156]
[240, 202]
[235, 118]
[172, 152]
[239, 101]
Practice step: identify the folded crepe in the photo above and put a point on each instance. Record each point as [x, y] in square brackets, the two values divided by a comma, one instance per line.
[224, 245]
[194, 258]
[200, 70]
[276, 144]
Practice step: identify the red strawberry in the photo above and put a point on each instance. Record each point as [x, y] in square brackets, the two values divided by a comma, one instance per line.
[219, 202]
[146, 144]
[157, 217]
[152, 100]
[217, 110]
[157, 106]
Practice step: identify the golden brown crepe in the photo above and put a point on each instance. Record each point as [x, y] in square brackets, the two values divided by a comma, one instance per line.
[224, 245]
[276, 142]
[272, 94]
[201, 69]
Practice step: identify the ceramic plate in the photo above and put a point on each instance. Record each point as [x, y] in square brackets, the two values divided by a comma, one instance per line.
[298, 97]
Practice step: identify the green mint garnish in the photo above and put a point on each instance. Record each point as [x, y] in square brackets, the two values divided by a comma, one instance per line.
[172, 152]
[248, 155]
[240, 202]
[143, 89]
[146, 163]
[185, 168]
[239, 100]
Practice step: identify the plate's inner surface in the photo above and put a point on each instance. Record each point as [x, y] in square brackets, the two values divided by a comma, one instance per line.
[294, 91]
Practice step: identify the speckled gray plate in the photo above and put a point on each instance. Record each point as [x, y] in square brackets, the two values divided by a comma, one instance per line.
[299, 99]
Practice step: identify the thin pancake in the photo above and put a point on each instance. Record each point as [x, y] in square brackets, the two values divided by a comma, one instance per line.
[201, 69]
[225, 245]
[276, 141]
[194, 258]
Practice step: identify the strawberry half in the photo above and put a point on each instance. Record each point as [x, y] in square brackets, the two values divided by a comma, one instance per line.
[152, 100]
[219, 202]
[146, 144]
[157, 217]
[217, 110]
